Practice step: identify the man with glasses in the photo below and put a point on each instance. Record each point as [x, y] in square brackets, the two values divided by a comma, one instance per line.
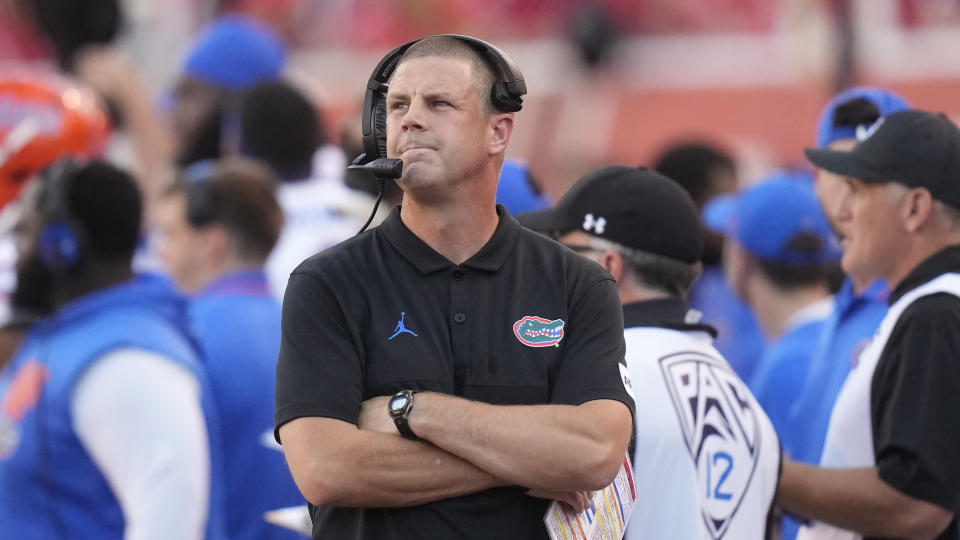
[705, 452]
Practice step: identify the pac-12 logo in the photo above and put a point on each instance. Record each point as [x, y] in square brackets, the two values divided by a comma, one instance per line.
[538, 332]
[720, 427]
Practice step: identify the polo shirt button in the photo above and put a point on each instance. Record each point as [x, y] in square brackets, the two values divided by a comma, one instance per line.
[459, 317]
[458, 275]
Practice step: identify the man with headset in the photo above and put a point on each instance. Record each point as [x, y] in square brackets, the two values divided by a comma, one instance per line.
[38, 126]
[105, 425]
[503, 351]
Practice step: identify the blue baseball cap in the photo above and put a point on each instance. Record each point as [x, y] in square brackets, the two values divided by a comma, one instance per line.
[885, 101]
[767, 216]
[515, 192]
[235, 52]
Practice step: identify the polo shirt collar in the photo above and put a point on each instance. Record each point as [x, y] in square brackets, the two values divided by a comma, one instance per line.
[672, 313]
[846, 298]
[494, 254]
[243, 282]
[944, 261]
[490, 258]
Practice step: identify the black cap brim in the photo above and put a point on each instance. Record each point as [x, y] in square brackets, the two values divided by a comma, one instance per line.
[545, 221]
[844, 164]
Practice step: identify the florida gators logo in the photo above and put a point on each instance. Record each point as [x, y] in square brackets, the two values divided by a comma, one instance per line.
[535, 331]
[16, 400]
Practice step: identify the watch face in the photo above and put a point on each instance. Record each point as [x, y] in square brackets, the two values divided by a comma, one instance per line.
[397, 404]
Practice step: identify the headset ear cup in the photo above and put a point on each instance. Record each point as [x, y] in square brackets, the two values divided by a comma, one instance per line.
[374, 125]
[503, 100]
[60, 247]
[201, 202]
[61, 244]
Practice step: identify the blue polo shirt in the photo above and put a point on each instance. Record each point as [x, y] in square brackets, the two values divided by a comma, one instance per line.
[237, 323]
[777, 380]
[844, 333]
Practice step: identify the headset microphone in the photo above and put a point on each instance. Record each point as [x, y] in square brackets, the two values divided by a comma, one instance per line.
[383, 169]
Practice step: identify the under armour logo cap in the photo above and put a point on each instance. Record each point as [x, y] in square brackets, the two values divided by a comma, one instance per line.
[633, 206]
[913, 148]
[592, 224]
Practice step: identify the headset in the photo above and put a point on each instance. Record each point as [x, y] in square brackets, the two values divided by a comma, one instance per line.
[506, 96]
[202, 204]
[62, 242]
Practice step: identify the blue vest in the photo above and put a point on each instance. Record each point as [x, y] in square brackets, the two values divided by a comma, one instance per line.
[237, 323]
[49, 486]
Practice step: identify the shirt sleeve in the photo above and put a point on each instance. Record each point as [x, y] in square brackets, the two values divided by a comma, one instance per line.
[915, 403]
[153, 451]
[593, 359]
[319, 371]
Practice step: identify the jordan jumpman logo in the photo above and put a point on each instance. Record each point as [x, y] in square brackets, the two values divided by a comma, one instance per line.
[401, 328]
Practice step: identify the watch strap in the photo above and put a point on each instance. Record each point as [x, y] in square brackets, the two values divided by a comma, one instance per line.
[403, 426]
[401, 418]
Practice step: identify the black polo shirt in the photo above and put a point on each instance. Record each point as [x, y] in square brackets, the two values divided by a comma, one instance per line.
[915, 393]
[524, 321]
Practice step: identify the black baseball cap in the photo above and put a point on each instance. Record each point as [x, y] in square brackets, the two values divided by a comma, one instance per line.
[914, 148]
[632, 206]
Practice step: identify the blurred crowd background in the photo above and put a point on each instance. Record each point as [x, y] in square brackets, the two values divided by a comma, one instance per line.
[610, 81]
[716, 94]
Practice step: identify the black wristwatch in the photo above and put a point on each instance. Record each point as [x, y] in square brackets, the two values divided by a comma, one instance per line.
[399, 408]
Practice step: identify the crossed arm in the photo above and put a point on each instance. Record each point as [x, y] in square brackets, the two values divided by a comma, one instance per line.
[556, 451]
[857, 500]
[466, 447]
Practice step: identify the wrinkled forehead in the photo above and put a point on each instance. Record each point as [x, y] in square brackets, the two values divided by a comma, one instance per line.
[431, 72]
[876, 191]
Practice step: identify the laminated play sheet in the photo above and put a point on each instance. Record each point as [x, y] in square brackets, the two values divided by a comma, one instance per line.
[605, 520]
